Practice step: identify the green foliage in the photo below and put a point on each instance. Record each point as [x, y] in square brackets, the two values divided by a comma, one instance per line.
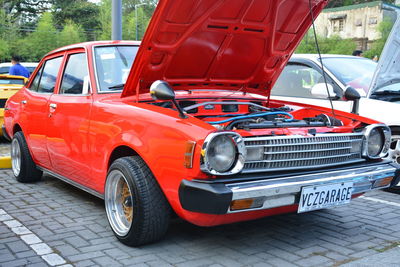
[338, 3]
[105, 20]
[71, 34]
[4, 50]
[41, 41]
[80, 12]
[332, 45]
[32, 28]
[376, 49]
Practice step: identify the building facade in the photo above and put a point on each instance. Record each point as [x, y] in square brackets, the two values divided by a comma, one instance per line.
[358, 22]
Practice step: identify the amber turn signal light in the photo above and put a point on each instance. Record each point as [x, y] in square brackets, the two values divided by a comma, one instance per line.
[242, 204]
[383, 182]
[188, 162]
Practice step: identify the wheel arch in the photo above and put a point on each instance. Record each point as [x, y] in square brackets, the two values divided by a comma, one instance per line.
[16, 128]
[119, 152]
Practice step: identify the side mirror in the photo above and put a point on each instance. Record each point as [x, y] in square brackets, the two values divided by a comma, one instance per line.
[353, 95]
[319, 90]
[161, 90]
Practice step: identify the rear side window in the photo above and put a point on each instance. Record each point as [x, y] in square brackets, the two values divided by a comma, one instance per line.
[45, 79]
[36, 80]
[4, 70]
[11, 81]
[74, 74]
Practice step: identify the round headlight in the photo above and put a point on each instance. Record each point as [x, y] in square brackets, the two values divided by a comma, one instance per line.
[375, 142]
[221, 153]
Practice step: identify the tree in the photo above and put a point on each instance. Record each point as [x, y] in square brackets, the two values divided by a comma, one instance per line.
[332, 45]
[4, 50]
[384, 28]
[71, 34]
[128, 23]
[81, 12]
[25, 11]
[105, 20]
[41, 41]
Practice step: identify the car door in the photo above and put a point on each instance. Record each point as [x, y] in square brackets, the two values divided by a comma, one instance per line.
[34, 108]
[69, 111]
[296, 84]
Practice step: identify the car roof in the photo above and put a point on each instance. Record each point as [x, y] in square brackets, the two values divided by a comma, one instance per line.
[25, 64]
[89, 45]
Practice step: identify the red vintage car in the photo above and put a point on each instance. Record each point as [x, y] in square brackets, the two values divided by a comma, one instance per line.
[183, 122]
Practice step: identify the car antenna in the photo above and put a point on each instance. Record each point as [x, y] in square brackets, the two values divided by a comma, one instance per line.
[320, 59]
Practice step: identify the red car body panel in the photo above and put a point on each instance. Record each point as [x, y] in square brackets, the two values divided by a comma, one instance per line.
[244, 44]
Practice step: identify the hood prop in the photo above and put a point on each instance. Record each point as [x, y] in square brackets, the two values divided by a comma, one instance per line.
[320, 59]
[161, 90]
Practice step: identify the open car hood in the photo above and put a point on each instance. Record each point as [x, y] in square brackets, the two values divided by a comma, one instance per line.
[388, 69]
[239, 45]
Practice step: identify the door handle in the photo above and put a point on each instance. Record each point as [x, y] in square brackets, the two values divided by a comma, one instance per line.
[24, 102]
[53, 106]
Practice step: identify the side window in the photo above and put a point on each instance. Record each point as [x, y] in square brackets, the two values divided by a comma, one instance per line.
[297, 80]
[74, 74]
[35, 82]
[49, 75]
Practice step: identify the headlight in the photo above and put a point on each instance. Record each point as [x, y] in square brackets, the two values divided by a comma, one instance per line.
[377, 141]
[223, 153]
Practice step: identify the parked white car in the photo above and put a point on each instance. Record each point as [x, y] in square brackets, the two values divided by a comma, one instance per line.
[377, 83]
[303, 78]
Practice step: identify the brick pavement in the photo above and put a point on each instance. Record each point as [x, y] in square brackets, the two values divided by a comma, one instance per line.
[73, 224]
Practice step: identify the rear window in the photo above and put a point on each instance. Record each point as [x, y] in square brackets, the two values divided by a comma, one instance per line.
[11, 81]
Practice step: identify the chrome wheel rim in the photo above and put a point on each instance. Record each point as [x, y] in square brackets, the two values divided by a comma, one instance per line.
[118, 202]
[15, 157]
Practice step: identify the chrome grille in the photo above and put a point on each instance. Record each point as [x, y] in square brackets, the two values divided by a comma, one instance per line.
[304, 152]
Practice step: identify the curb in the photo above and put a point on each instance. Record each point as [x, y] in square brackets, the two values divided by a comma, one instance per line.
[5, 162]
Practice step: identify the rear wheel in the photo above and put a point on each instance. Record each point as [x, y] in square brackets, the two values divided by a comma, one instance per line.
[136, 208]
[23, 167]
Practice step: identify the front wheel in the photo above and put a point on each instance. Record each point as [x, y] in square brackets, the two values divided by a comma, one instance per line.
[23, 167]
[136, 208]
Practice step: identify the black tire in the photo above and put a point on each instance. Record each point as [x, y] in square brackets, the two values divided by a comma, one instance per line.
[150, 211]
[27, 171]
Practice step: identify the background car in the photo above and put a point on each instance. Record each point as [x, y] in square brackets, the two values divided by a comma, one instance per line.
[5, 67]
[9, 85]
[302, 81]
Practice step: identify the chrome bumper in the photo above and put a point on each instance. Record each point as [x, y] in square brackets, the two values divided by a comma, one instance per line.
[216, 198]
[285, 191]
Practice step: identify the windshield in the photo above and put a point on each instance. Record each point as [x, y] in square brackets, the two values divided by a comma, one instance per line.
[113, 64]
[356, 72]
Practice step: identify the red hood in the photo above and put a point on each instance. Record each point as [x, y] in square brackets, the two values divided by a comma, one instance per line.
[220, 44]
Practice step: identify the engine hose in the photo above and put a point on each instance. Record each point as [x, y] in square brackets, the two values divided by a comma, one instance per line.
[254, 116]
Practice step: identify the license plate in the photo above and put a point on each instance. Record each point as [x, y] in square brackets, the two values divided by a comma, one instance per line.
[324, 196]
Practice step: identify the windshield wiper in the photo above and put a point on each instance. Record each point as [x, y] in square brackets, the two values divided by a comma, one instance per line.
[387, 92]
[117, 87]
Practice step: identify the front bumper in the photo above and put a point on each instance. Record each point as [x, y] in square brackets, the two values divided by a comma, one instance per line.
[216, 198]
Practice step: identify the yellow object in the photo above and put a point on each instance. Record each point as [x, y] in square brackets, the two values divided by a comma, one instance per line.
[9, 85]
[5, 162]
[242, 204]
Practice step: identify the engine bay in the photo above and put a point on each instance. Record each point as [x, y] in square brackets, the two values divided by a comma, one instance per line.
[237, 114]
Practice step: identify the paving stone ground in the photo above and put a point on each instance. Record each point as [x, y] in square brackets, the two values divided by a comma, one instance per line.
[73, 225]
